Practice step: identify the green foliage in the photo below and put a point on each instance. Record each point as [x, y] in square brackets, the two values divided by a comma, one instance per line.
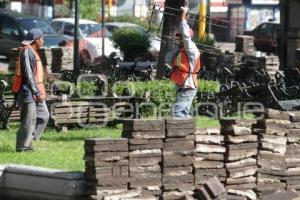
[162, 93]
[206, 40]
[135, 20]
[90, 9]
[208, 86]
[87, 88]
[132, 43]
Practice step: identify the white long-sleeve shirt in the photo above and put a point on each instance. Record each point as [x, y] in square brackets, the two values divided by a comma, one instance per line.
[191, 50]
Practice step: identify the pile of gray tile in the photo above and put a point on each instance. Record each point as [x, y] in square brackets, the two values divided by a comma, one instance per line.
[238, 57]
[62, 59]
[13, 59]
[292, 156]
[245, 44]
[145, 155]
[106, 167]
[240, 157]
[272, 132]
[209, 156]
[211, 189]
[53, 59]
[297, 55]
[272, 64]
[46, 57]
[179, 145]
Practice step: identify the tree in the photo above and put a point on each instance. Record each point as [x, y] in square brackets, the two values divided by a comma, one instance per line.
[89, 9]
[170, 26]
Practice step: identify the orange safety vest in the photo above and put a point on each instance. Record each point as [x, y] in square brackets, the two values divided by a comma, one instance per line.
[182, 70]
[38, 75]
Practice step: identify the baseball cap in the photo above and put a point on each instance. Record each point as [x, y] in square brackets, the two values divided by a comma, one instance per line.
[33, 35]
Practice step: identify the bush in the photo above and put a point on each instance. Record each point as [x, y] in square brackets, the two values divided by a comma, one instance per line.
[208, 40]
[132, 43]
[131, 19]
[87, 88]
[162, 92]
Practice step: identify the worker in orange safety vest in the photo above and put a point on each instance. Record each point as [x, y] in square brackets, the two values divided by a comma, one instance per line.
[185, 61]
[30, 92]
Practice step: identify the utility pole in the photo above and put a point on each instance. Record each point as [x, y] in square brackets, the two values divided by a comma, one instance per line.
[76, 40]
[202, 19]
[103, 33]
[109, 7]
[170, 26]
[208, 17]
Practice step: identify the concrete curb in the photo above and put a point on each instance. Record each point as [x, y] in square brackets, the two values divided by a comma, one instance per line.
[27, 182]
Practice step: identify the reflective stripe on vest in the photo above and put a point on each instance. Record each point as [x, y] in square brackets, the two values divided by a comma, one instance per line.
[181, 69]
[39, 74]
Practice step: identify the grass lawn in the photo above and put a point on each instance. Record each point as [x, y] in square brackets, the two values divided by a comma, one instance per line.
[58, 150]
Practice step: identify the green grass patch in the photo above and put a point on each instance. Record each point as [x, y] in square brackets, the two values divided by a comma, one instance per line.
[58, 150]
[55, 150]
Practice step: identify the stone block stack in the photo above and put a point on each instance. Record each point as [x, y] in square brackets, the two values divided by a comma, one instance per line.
[241, 156]
[145, 155]
[297, 55]
[46, 57]
[179, 145]
[106, 167]
[54, 59]
[211, 189]
[62, 59]
[292, 156]
[272, 131]
[245, 44]
[272, 64]
[209, 156]
[14, 54]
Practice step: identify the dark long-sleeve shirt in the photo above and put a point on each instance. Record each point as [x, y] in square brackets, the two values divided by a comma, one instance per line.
[28, 87]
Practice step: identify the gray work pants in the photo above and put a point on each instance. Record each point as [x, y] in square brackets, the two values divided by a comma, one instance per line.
[34, 118]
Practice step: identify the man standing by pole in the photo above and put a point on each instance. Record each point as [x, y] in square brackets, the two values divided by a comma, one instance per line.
[186, 65]
[30, 92]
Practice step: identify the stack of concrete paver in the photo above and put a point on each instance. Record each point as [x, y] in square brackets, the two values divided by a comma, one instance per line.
[297, 55]
[238, 57]
[106, 167]
[209, 156]
[292, 156]
[272, 64]
[53, 59]
[62, 59]
[14, 54]
[272, 131]
[46, 57]
[245, 44]
[179, 145]
[211, 189]
[240, 157]
[145, 155]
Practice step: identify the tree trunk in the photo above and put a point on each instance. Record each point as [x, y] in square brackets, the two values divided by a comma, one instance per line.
[170, 26]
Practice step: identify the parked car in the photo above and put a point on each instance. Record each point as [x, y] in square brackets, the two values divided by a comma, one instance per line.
[155, 41]
[90, 35]
[265, 36]
[14, 27]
